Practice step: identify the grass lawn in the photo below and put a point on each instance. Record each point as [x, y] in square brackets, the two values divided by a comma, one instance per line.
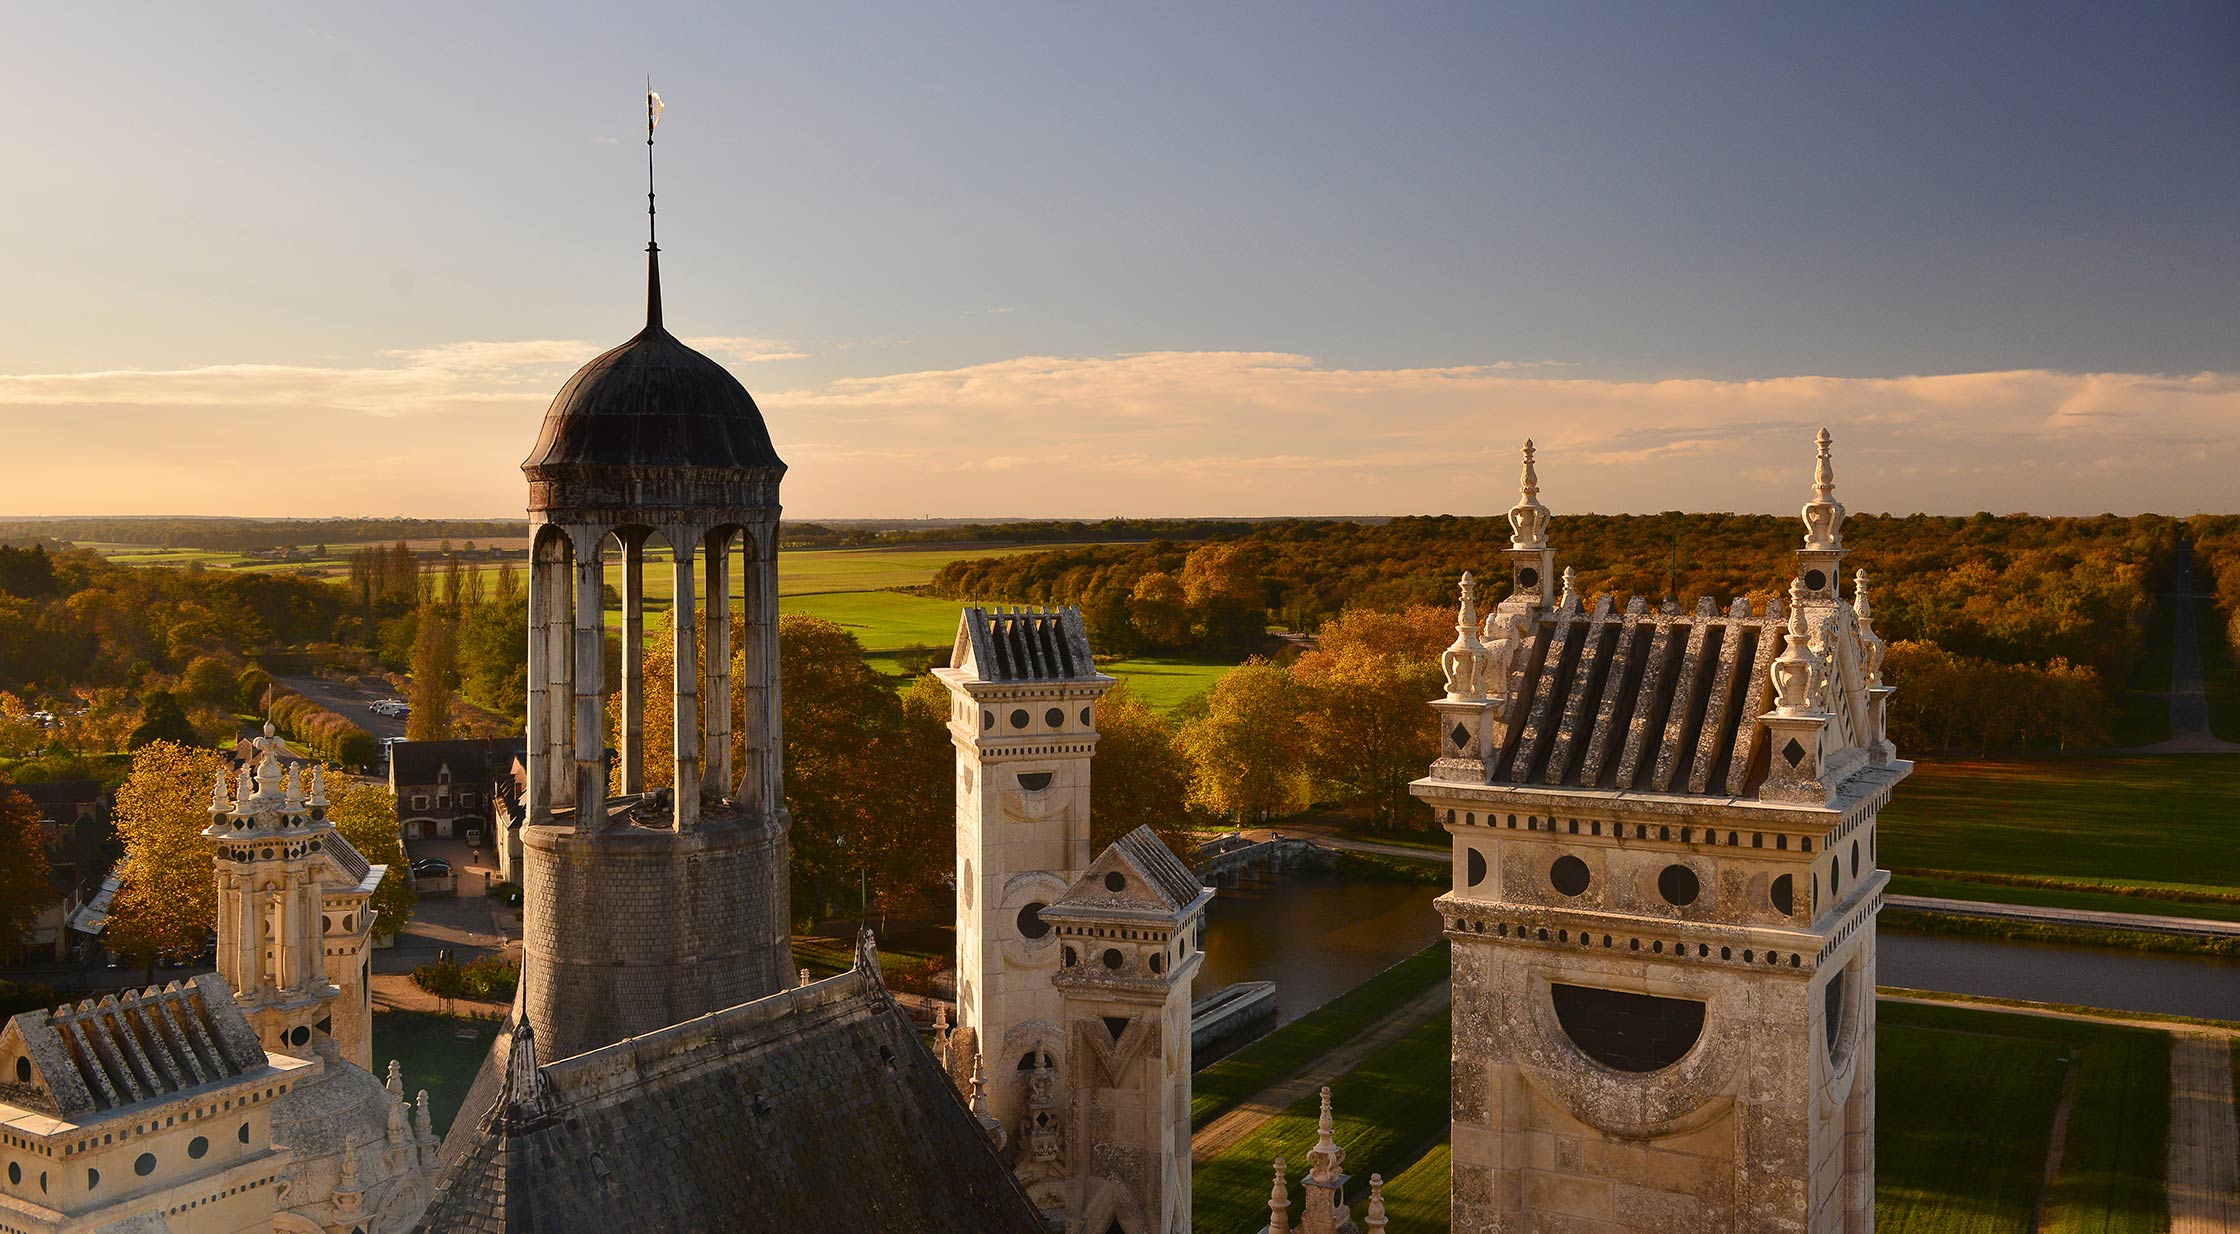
[2143, 710]
[1389, 1111]
[1420, 1200]
[1433, 841]
[2220, 674]
[440, 1053]
[1287, 1049]
[882, 620]
[1964, 1116]
[2150, 823]
[1164, 682]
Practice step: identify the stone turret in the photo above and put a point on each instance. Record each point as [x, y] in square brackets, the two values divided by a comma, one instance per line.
[1663, 908]
[294, 908]
[1023, 690]
[645, 908]
[1129, 930]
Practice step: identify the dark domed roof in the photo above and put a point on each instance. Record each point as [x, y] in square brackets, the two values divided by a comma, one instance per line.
[653, 402]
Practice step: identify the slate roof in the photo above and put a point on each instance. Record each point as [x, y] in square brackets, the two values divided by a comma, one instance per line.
[817, 1108]
[472, 760]
[138, 1046]
[1658, 700]
[653, 402]
[1653, 700]
[1165, 871]
[1024, 645]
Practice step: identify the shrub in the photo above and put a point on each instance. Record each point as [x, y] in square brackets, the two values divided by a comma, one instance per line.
[490, 979]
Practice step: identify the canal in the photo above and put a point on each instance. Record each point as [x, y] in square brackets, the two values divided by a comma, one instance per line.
[1316, 936]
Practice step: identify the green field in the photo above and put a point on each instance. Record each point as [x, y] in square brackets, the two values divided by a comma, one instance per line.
[1419, 1200]
[1222, 1085]
[2220, 675]
[2143, 710]
[2157, 823]
[1963, 1120]
[1389, 1111]
[1964, 1113]
[440, 1053]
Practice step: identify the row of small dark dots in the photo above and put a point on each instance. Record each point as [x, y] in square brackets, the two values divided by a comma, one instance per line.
[222, 1195]
[1866, 913]
[1656, 946]
[1640, 831]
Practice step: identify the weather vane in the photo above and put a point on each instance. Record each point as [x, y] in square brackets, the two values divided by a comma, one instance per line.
[653, 121]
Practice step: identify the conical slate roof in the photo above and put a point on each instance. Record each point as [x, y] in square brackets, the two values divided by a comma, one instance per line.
[653, 402]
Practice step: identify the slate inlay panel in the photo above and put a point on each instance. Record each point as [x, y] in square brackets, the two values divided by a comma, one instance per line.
[1626, 1031]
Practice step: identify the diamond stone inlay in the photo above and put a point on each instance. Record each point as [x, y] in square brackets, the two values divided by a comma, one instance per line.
[1793, 752]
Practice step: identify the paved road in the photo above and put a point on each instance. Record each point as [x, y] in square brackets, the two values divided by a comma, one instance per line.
[348, 701]
[2069, 916]
[2189, 703]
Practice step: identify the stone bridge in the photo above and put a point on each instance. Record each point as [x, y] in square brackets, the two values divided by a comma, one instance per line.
[1222, 862]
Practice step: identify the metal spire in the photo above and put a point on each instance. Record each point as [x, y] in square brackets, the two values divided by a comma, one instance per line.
[653, 248]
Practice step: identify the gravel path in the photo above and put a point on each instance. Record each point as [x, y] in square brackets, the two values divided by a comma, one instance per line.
[2204, 1138]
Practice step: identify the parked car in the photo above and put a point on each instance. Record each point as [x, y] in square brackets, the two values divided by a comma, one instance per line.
[430, 867]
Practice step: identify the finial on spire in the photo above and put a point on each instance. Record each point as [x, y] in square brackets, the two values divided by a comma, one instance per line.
[1323, 1161]
[218, 802]
[1375, 1219]
[1570, 590]
[1528, 519]
[653, 247]
[1279, 1203]
[1799, 672]
[1465, 659]
[1823, 515]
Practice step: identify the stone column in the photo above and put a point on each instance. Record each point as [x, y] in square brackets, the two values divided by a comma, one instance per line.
[552, 758]
[715, 711]
[536, 795]
[681, 612]
[758, 778]
[633, 750]
[590, 684]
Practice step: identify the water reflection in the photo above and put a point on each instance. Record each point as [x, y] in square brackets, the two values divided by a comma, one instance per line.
[1313, 935]
[1317, 937]
[2079, 976]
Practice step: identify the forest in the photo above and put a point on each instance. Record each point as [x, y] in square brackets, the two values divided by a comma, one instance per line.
[2017, 630]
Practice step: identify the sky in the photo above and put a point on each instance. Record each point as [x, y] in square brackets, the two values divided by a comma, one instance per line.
[999, 260]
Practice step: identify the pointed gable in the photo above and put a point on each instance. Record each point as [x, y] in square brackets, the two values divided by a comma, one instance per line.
[1022, 645]
[1136, 874]
[84, 1058]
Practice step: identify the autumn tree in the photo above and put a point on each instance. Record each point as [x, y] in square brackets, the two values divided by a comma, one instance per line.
[866, 785]
[1362, 696]
[161, 719]
[435, 674]
[1159, 610]
[1139, 777]
[1244, 752]
[365, 813]
[167, 898]
[25, 891]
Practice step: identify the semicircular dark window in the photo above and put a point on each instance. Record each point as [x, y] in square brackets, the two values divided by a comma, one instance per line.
[1035, 781]
[1625, 1031]
[1477, 867]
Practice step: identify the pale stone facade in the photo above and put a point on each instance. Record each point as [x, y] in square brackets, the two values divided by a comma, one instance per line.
[160, 1110]
[1663, 901]
[293, 919]
[1128, 930]
[1023, 689]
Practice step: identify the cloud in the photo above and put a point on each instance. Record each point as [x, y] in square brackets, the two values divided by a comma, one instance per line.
[436, 430]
